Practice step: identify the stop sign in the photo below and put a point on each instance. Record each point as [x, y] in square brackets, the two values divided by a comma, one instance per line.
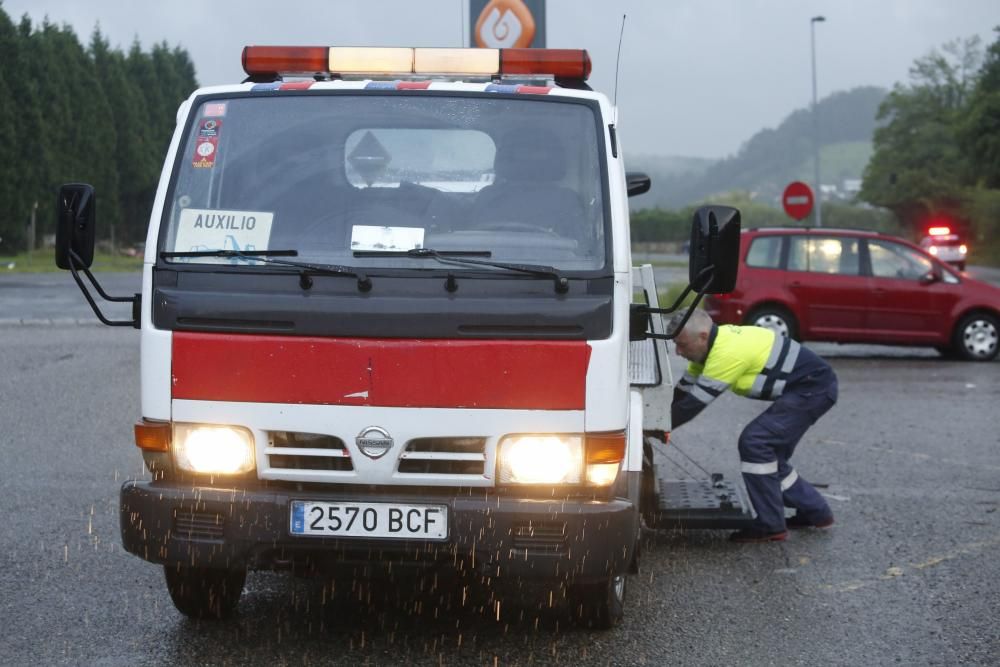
[797, 200]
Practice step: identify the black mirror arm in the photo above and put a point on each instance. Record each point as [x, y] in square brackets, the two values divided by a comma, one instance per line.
[73, 260]
[707, 271]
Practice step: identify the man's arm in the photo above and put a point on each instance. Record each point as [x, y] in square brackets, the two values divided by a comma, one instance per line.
[684, 408]
[694, 391]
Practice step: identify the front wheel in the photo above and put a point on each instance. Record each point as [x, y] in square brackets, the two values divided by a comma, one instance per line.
[976, 337]
[200, 592]
[600, 605]
[775, 318]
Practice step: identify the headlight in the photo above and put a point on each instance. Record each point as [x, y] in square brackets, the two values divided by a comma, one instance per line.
[220, 450]
[540, 459]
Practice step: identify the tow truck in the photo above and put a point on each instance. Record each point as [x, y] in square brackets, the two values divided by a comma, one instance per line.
[389, 321]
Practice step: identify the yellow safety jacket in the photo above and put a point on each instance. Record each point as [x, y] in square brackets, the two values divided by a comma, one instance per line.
[752, 361]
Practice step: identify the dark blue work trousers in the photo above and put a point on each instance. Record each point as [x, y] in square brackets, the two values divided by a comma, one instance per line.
[768, 442]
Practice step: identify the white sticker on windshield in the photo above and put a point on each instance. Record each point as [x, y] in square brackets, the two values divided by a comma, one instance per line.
[205, 229]
[366, 237]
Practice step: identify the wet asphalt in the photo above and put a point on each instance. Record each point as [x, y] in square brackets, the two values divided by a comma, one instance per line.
[909, 460]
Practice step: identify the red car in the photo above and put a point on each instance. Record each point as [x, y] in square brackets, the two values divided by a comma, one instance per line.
[851, 286]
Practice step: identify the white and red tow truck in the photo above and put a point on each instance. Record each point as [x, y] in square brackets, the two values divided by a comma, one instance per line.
[389, 319]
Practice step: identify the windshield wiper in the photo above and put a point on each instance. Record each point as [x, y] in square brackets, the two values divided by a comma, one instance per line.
[264, 256]
[234, 254]
[462, 257]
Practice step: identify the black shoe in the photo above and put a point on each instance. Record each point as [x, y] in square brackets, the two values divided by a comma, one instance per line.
[798, 522]
[749, 535]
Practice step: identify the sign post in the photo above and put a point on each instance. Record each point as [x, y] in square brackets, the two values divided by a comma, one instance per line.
[797, 200]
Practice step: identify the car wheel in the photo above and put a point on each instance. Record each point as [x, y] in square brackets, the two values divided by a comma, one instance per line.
[600, 605]
[976, 337]
[201, 592]
[775, 318]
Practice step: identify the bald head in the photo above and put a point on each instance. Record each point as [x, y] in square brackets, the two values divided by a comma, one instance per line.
[692, 340]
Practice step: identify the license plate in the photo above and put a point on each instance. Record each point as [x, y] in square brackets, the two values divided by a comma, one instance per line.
[383, 520]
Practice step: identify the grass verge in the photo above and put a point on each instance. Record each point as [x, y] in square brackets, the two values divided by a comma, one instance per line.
[43, 261]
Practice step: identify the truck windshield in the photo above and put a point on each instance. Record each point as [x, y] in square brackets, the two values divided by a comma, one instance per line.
[336, 176]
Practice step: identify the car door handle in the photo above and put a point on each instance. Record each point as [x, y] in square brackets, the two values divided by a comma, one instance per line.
[795, 283]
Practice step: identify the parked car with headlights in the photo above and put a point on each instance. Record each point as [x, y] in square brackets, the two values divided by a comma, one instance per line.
[944, 244]
[851, 286]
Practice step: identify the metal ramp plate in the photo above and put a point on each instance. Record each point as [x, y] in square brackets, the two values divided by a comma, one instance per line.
[643, 369]
[709, 503]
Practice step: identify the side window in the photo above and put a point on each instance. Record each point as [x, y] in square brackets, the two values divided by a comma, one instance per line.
[892, 260]
[817, 254]
[765, 252]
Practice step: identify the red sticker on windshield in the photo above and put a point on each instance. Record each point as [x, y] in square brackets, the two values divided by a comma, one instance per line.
[207, 143]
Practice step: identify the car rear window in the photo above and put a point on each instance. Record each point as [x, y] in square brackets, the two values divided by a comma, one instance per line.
[824, 254]
[765, 252]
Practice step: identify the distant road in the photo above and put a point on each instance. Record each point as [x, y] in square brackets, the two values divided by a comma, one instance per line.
[54, 299]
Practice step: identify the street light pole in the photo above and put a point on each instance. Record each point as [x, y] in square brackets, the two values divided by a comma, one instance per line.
[819, 188]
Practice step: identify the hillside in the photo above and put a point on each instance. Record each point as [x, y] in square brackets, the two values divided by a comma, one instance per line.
[772, 158]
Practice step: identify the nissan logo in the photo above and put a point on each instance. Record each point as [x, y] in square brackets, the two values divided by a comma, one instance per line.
[374, 441]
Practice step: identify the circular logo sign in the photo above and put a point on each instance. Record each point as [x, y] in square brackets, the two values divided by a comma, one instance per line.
[374, 442]
[797, 200]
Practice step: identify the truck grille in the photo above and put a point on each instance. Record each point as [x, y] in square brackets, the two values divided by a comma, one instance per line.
[289, 450]
[190, 525]
[539, 537]
[444, 456]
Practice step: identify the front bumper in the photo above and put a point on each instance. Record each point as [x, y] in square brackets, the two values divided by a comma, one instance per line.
[490, 534]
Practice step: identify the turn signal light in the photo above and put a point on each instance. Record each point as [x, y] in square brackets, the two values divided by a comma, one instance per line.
[152, 436]
[605, 447]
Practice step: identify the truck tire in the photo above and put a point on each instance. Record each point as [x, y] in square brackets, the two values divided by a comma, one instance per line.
[599, 605]
[977, 337]
[200, 592]
[775, 318]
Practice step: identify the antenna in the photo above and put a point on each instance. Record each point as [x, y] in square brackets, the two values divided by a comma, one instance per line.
[618, 59]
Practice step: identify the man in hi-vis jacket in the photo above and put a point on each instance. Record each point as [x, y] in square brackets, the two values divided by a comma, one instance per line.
[756, 363]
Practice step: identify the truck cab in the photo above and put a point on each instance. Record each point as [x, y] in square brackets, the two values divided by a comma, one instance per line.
[387, 323]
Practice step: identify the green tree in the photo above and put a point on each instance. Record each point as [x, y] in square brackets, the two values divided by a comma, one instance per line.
[918, 166]
[980, 132]
[137, 156]
[78, 126]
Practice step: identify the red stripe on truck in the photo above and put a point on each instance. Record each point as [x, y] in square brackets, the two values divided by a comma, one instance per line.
[533, 375]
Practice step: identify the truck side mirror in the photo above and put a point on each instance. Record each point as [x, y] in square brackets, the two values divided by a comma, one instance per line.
[638, 183]
[715, 249]
[75, 225]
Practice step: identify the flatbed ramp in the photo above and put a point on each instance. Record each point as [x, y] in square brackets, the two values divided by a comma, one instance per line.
[696, 504]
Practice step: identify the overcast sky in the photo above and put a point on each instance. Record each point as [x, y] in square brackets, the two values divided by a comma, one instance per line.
[698, 77]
